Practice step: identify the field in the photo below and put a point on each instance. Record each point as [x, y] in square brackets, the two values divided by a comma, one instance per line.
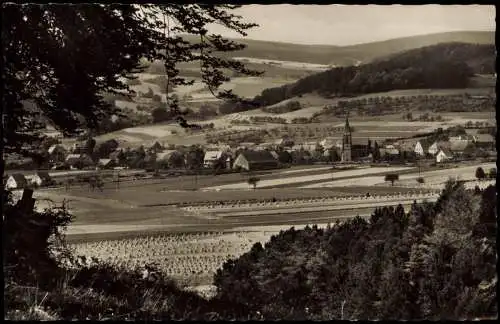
[433, 179]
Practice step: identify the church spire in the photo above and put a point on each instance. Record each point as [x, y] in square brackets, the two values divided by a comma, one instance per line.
[347, 128]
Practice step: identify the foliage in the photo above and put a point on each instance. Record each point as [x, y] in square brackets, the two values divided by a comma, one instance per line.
[65, 58]
[253, 181]
[284, 108]
[493, 173]
[480, 174]
[394, 266]
[391, 177]
[32, 241]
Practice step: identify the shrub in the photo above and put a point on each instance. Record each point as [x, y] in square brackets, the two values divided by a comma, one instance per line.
[480, 174]
[392, 177]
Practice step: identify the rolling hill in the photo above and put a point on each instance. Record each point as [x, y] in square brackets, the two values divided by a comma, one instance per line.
[353, 54]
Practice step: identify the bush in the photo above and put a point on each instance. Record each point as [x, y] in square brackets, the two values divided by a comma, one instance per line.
[391, 177]
[480, 174]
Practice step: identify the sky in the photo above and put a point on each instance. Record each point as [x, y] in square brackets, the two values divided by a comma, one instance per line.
[354, 24]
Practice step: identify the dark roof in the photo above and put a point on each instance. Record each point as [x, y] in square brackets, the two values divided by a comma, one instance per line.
[19, 178]
[258, 156]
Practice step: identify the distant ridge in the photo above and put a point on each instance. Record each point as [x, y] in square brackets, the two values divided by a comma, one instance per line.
[352, 54]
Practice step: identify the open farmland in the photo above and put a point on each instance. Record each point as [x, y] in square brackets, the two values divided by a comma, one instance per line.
[302, 179]
[432, 178]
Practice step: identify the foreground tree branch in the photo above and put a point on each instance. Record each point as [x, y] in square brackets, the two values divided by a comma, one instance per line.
[64, 58]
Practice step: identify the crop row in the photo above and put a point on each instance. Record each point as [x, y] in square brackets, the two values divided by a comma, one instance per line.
[292, 202]
[175, 255]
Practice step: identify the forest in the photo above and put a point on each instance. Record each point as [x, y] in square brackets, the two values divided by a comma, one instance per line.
[449, 65]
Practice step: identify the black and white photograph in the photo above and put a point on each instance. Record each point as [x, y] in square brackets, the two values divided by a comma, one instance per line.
[224, 162]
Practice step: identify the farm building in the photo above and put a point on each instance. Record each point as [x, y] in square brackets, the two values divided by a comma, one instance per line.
[41, 178]
[170, 159]
[255, 160]
[443, 155]
[16, 181]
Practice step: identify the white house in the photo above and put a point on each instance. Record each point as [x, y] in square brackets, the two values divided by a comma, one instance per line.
[41, 178]
[16, 181]
[443, 156]
[329, 142]
[433, 149]
[419, 150]
[211, 157]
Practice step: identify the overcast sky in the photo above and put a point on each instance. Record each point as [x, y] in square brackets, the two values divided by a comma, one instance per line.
[350, 24]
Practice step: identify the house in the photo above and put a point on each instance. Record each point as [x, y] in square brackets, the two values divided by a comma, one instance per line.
[443, 155]
[156, 147]
[255, 160]
[57, 153]
[105, 163]
[16, 181]
[458, 147]
[484, 140]
[329, 142]
[115, 155]
[79, 161]
[41, 178]
[437, 146]
[71, 159]
[389, 150]
[247, 146]
[211, 157]
[418, 149]
[170, 158]
[285, 141]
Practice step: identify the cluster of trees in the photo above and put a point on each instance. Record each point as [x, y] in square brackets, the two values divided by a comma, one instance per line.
[436, 261]
[482, 175]
[284, 108]
[448, 65]
[301, 120]
[388, 104]
[268, 119]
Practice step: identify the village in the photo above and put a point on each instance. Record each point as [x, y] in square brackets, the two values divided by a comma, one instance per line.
[455, 144]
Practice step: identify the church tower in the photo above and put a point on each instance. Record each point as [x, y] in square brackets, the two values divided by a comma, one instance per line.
[346, 142]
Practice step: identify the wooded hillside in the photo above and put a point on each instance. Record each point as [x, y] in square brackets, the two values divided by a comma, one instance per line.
[448, 65]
